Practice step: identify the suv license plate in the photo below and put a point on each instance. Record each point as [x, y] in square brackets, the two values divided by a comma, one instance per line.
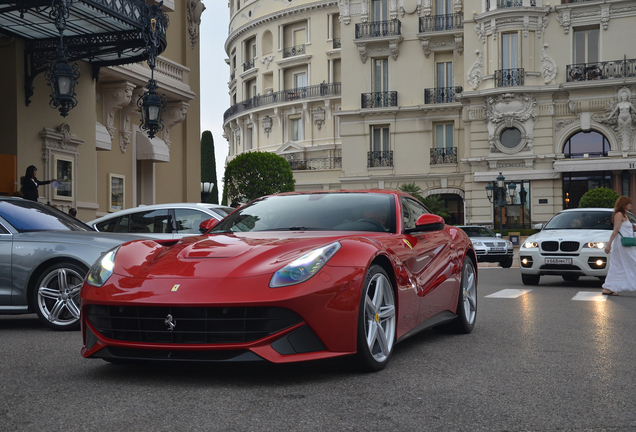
[566, 261]
[497, 249]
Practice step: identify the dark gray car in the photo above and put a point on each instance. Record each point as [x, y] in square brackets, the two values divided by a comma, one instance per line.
[44, 256]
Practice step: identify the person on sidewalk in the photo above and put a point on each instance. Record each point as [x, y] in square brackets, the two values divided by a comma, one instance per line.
[621, 275]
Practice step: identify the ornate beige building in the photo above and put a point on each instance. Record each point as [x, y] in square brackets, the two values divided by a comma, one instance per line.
[446, 94]
[103, 159]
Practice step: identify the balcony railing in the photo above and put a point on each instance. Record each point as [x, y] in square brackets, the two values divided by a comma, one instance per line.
[442, 22]
[325, 163]
[446, 155]
[441, 95]
[337, 43]
[248, 65]
[294, 51]
[320, 90]
[509, 77]
[379, 99]
[625, 68]
[380, 159]
[502, 4]
[378, 29]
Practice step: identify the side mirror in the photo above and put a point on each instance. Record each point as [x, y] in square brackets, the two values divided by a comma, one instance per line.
[498, 235]
[208, 224]
[427, 222]
[538, 227]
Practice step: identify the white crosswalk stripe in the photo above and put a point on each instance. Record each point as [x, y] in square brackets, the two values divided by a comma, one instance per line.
[508, 293]
[580, 296]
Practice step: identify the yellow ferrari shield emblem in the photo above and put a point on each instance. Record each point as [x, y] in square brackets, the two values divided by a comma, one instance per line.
[407, 243]
[176, 287]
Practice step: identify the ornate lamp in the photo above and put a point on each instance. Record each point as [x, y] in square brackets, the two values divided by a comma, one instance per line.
[150, 103]
[61, 76]
[512, 191]
[489, 189]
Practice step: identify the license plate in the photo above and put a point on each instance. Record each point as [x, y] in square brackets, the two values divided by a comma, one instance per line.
[497, 249]
[566, 261]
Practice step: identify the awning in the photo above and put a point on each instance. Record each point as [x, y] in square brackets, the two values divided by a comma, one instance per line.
[102, 137]
[151, 149]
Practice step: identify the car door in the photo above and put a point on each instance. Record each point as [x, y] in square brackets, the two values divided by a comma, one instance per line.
[430, 261]
[6, 246]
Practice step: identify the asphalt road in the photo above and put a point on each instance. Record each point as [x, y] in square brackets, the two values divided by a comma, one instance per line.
[541, 361]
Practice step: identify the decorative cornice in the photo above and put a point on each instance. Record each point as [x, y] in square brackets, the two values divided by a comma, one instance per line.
[194, 11]
[275, 16]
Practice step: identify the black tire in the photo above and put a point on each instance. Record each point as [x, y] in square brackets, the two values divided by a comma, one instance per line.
[377, 321]
[506, 263]
[570, 278]
[56, 296]
[530, 279]
[466, 302]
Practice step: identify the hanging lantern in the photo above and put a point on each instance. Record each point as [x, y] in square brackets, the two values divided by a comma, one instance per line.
[62, 78]
[151, 106]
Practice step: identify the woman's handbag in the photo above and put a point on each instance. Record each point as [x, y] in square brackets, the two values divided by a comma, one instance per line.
[627, 241]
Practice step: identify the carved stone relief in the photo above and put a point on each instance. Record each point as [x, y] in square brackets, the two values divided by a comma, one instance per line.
[195, 9]
[175, 113]
[621, 117]
[511, 111]
[548, 66]
[116, 96]
[267, 60]
[475, 76]
[267, 124]
[319, 117]
[125, 132]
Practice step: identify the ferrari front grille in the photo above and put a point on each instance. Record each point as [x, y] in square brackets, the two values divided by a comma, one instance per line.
[189, 325]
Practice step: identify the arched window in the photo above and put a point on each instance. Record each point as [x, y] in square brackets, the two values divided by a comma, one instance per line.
[586, 144]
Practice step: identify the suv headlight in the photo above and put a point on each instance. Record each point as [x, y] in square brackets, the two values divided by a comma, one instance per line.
[594, 245]
[304, 267]
[102, 269]
[530, 244]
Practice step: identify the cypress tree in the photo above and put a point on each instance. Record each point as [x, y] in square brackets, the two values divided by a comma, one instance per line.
[208, 165]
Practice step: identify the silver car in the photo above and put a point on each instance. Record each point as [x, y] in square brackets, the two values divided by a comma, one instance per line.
[490, 247]
[161, 220]
[44, 256]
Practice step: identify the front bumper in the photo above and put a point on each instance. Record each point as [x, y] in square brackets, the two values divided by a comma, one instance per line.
[239, 319]
[586, 262]
[488, 255]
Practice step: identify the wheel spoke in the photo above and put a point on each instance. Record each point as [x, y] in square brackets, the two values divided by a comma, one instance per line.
[49, 293]
[372, 334]
[73, 309]
[61, 280]
[471, 304]
[55, 311]
[378, 296]
[75, 290]
[370, 308]
[381, 338]
[387, 312]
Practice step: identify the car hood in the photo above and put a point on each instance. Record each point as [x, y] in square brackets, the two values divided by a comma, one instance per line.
[226, 255]
[581, 236]
[94, 238]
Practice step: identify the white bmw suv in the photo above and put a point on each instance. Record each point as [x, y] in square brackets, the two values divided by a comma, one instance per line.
[569, 245]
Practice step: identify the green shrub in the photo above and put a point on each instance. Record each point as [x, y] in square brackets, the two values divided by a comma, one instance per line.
[255, 174]
[599, 197]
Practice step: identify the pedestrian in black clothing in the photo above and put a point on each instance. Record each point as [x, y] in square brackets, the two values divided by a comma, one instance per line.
[30, 184]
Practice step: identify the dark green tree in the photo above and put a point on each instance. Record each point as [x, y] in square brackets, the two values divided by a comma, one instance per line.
[599, 197]
[255, 174]
[208, 166]
[434, 203]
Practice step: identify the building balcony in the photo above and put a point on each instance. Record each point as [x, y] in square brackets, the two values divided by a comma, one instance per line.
[316, 91]
[378, 29]
[337, 43]
[613, 69]
[294, 51]
[376, 159]
[325, 163]
[503, 4]
[248, 65]
[509, 77]
[379, 99]
[438, 23]
[441, 95]
[444, 155]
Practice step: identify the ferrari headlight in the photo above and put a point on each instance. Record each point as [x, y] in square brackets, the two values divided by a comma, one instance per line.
[530, 244]
[304, 267]
[594, 245]
[102, 269]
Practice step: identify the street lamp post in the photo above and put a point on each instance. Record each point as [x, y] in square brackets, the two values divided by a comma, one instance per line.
[206, 189]
[499, 196]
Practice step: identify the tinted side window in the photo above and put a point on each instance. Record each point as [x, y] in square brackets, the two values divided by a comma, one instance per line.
[151, 221]
[188, 220]
[108, 225]
[411, 211]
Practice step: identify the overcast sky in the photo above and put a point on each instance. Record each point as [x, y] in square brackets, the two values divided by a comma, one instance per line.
[214, 77]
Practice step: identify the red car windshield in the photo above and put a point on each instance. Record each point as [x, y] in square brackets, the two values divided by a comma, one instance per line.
[372, 212]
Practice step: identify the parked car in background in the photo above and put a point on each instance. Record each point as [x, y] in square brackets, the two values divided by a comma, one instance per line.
[285, 278]
[569, 245]
[489, 247]
[44, 256]
[161, 220]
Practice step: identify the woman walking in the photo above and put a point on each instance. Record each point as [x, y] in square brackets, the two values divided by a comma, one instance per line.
[621, 275]
[30, 184]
